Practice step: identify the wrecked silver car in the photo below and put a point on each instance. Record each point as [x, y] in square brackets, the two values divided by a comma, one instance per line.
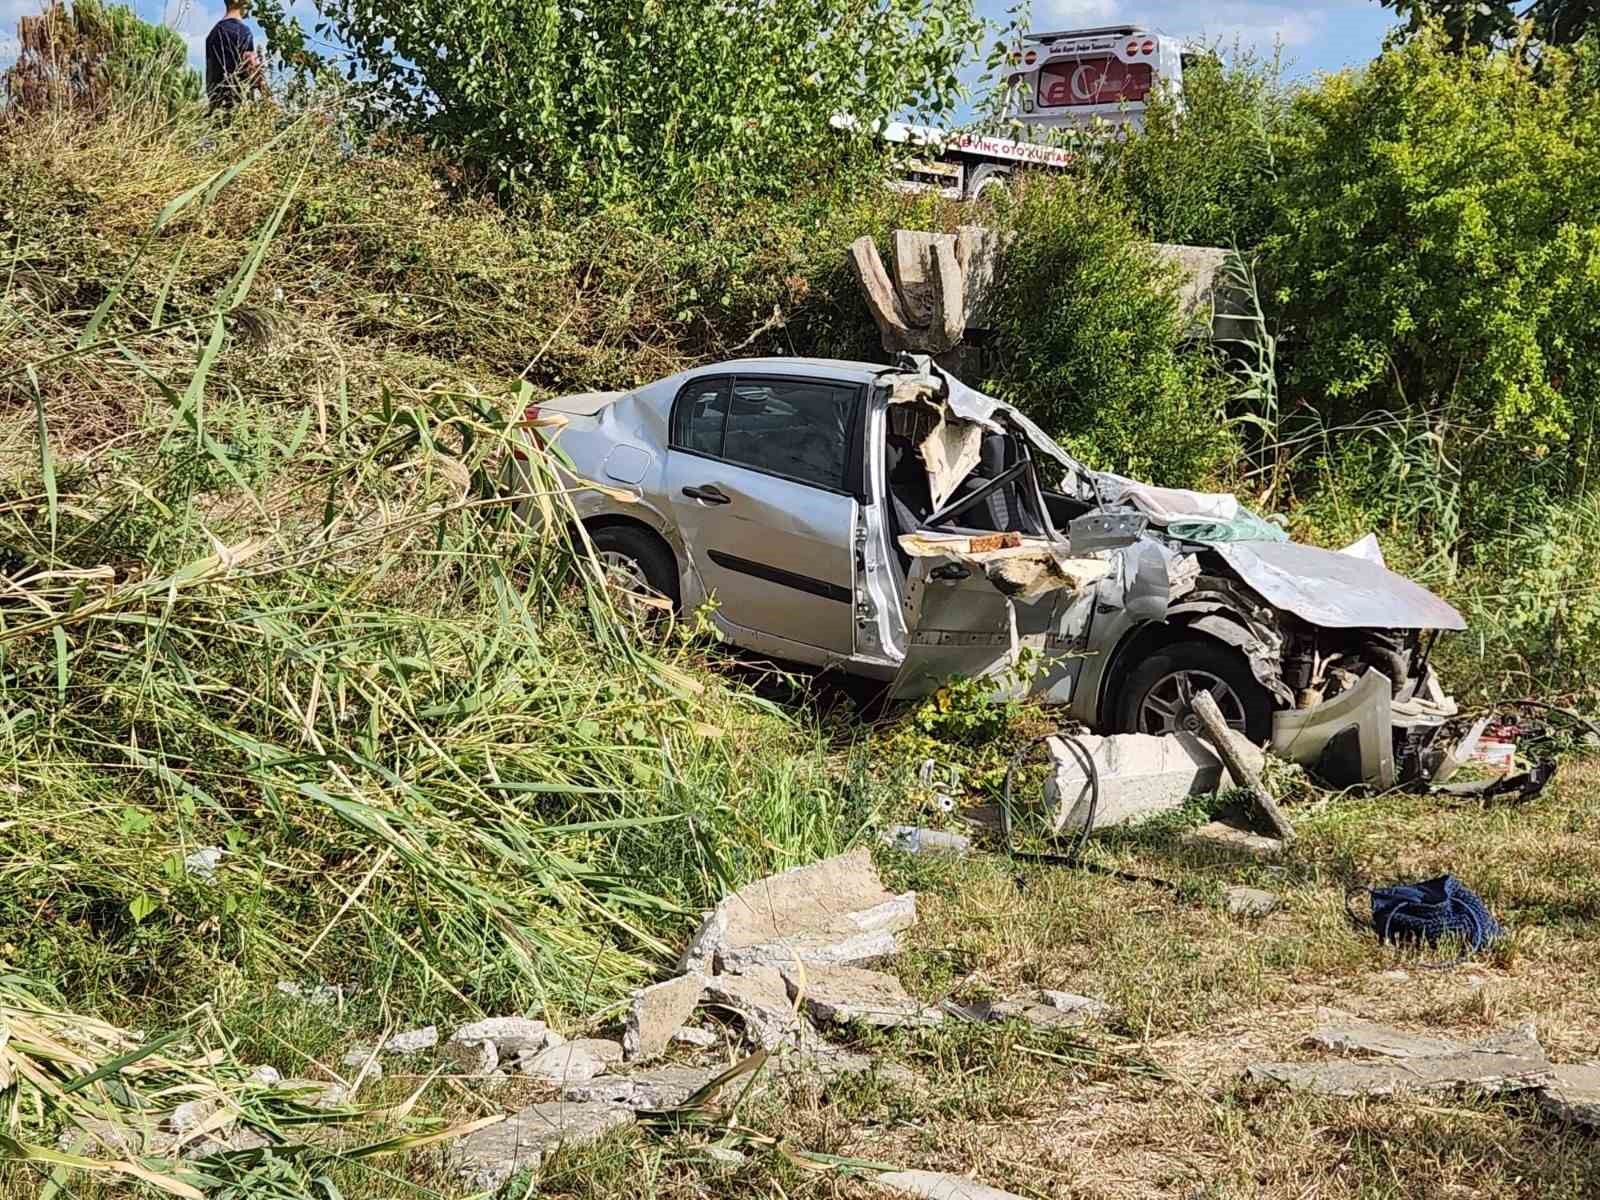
[896, 524]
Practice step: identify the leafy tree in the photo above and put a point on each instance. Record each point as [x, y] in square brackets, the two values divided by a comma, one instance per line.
[1440, 256]
[1497, 22]
[648, 101]
[83, 54]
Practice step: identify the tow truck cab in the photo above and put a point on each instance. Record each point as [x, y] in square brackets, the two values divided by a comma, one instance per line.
[1077, 78]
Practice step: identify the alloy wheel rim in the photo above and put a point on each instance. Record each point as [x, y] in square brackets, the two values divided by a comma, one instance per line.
[1165, 708]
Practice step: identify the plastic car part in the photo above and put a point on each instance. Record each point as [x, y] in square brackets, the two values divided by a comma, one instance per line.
[1346, 740]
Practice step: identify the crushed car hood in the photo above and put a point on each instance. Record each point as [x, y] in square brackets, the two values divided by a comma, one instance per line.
[1336, 590]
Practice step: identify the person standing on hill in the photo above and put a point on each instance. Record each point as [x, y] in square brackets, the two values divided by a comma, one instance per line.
[232, 69]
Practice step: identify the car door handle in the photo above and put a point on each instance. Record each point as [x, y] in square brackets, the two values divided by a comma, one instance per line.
[710, 493]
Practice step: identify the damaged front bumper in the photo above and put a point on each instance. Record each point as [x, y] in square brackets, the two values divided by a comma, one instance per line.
[1364, 735]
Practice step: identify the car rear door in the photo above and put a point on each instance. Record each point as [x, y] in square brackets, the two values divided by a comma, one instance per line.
[760, 474]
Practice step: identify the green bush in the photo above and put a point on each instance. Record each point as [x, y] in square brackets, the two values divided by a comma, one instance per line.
[653, 103]
[1201, 171]
[1088, 339]
[1439, 260]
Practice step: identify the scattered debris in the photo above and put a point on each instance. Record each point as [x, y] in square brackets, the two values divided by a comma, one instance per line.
[606, 1050]
[1344, 1034]
[365, 1060]
[1574, 1095]
[691, 1036]
[933, 1185]
[413, 1041]
[836, 911]
[1250, 902]
[510, 1036]
[817, 1059]
[1140, 775]
[943, 784]
[659, 1087]
[489, 1157]
[1508, 1061]
[843, 995]
[657, 1015]
[760, 999]
[203, 862]
[1048, 1010]
[1069, 1002]
[1225, 838]
[561, 1064]
[914, 839]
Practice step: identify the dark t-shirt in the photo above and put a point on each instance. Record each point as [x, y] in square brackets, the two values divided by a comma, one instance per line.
[226, 45]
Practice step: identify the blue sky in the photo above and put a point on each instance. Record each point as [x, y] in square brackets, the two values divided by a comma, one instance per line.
[1319, 35]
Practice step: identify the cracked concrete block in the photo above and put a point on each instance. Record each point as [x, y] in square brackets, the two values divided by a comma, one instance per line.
[1140, 774]
[561, 1064]
[935, 1185]
[658, 1013]
[1230, 841]
[1344, 1034]
[1574, 1094]
[851, 994]
[659, 1087]
[851, 949]
[1069, 1002]
[1508, 1061]
[412, 1041]
[760, 999]
[605, 1049]
[484, 1160]
[689, 1035]
[1249, 902]
[818, 904]
[511, 1035]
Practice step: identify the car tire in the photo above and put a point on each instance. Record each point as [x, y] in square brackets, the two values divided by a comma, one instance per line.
[1150, 687]
[650, 557]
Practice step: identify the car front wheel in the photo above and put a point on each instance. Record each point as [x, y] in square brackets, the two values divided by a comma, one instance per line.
[1155, 698]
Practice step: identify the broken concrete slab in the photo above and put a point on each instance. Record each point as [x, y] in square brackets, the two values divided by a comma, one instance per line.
[511, 1035]
[1574, 1094]
[914, 839]
[1232, 841]
[605, 1049]
[834, 911]
[561, 1064]
[1345, 1034]
[843, 995]
[484, 1160]
[689, 1035]
[1508, 1061]
[657, 1013]
[658, 1087]
[412, 1041]
[760, 999]
[1249, 902]
[935, 1185]
[1140, 776]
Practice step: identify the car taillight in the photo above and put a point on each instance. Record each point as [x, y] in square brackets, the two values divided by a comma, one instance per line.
[529, 415]
[1148, 47]
[1133, 47]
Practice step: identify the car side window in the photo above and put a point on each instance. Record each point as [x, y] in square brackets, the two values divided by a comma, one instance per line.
[699, 415]
[791, 427]
[797, 428]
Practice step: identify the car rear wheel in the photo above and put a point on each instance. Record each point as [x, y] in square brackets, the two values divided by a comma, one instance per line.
[1155, 698]
[639, 568]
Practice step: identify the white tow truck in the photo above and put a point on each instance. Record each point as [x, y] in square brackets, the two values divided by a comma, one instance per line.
[1089, 82]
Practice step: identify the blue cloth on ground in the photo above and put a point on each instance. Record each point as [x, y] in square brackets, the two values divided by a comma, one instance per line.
[1418, 912]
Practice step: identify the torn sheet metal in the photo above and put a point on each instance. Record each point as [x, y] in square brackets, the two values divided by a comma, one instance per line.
[1346, 740]
[1335, 590]
[950, 453]
[1020, 567]
[1162, 504]
[1367, 548]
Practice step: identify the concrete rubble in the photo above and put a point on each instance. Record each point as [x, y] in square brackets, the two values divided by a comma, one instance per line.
[1249, 902]
[845, 995]
[561, 1064]
[1574, 1094]
[484, 1160]
[1344, 1034]
[1046, 1009]
[1511, 1060]
[836, 911]
[657, 1014]
[412, 1041]
[760, 999]
[689, 1035]
[935, 1185]
[658, 1087]
[1140, 776]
